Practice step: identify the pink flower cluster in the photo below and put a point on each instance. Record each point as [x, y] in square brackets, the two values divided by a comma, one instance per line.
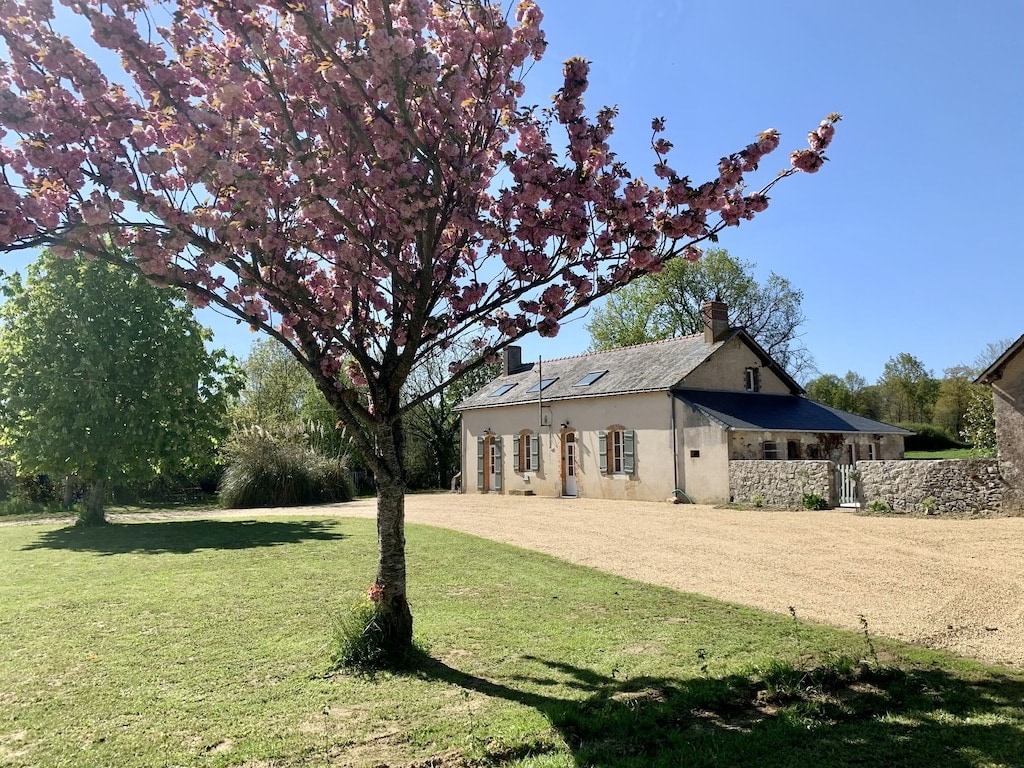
[356, 178]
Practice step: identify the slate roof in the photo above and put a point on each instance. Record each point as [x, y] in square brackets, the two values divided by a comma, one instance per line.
[779, 413]
[652, 367]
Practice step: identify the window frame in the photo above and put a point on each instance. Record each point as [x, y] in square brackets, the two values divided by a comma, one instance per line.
[774, 450]
[752, 378]
[541, 385]
[526, 452]
[617, 451]
[590, 378]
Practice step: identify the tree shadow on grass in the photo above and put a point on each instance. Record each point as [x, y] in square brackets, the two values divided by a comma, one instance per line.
[186, 536]
[787, 716]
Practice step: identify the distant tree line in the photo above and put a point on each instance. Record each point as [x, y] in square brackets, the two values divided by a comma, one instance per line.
[908, 394]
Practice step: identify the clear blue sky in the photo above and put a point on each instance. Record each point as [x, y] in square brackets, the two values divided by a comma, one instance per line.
[909, 240]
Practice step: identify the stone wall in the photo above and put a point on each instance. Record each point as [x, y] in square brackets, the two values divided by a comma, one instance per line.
[945, 487]
[780, 483]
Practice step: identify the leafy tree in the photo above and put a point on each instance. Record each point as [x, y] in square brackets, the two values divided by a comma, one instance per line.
[953, 399]
[358, 180]
[669, 303]
[849, 393]
[106, 377]
[908, 389]
[280, 398]
[435, 443]
[276, 388]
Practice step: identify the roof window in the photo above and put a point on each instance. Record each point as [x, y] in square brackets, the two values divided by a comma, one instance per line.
[590, 378]
[503, 389]
[542, 385]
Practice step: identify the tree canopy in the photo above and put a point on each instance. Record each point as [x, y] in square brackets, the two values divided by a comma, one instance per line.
[106, 377]
[669, 303]
[360, 180]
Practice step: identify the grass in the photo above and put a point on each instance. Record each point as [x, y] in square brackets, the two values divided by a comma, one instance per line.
[949, 453]
[205, 643]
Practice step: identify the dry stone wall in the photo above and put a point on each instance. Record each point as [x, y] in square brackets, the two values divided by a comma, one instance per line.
[943, 487]
[780, 483]
[946, 487]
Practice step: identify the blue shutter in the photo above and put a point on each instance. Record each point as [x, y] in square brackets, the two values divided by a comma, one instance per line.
[602, 451]
[479, 463]
[628, 451]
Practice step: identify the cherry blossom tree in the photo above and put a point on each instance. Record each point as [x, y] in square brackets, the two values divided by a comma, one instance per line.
[359, 179]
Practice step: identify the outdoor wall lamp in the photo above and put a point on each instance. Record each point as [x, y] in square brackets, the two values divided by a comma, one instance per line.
[565, 424]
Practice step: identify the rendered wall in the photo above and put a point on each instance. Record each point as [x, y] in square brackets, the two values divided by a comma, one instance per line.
[647, 415]
[725, 371]
[704, 476]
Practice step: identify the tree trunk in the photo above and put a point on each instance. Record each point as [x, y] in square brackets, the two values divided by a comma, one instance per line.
[69, 491]
[392, 607]
[93, 512]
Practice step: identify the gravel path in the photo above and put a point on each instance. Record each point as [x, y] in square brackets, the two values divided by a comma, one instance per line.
[953, 584]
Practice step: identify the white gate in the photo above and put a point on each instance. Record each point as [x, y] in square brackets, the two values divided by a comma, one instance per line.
[847, 488]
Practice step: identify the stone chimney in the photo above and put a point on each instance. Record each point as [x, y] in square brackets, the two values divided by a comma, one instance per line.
[512, 359]
[716, 321]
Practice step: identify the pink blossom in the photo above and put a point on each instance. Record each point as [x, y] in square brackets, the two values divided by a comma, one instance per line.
[806, 160]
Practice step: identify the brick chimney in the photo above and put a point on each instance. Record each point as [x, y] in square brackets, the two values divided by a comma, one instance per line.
[512, 359]
[716, 321]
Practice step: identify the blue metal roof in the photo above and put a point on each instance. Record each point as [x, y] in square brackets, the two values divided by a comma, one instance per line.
[779, 413]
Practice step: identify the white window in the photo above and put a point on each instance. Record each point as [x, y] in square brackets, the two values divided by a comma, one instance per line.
[526, 451]
[752, 379]
[872, 451]
[770, 449]
[616, 451]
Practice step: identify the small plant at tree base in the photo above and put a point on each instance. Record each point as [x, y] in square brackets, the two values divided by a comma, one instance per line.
[814, 501]
[359, 642]
[878, 505]
[358, 638]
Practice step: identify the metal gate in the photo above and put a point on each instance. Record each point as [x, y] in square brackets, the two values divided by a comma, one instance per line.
[847, 487]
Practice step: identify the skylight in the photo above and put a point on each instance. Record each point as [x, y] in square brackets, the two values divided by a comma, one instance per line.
[590, 378]
[542, 385]
[501, 390]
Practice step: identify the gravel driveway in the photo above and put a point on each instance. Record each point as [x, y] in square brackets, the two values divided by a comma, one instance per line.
[952, 584]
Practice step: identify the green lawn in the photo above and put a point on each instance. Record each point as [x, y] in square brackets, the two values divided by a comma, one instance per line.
[949, 453]
[205, 643]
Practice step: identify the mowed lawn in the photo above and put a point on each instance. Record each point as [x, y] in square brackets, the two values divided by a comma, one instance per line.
[206, 643]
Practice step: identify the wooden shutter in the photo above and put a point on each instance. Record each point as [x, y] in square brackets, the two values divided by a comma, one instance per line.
[628, 451]
[602, 451]
[535, 452]
[516, 453]
[497, 463]
[479, 463]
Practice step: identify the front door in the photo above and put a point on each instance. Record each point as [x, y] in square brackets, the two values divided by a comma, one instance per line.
[569, 464]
